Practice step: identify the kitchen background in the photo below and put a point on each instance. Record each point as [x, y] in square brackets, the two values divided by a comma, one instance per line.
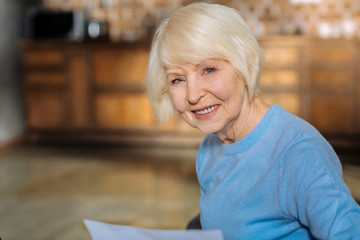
[67, 151]
[326, 18]
[133, 20]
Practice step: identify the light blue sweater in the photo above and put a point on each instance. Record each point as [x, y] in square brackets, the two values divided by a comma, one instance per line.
[283, 181]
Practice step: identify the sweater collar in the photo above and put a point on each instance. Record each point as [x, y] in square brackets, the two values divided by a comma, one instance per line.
[255, 136]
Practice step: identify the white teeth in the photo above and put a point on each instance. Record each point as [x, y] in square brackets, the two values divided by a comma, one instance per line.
[210, 109]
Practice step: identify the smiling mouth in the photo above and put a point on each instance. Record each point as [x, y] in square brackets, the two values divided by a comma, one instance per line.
[206, 110]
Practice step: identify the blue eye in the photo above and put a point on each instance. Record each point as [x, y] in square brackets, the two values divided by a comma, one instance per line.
[209, 70]
[177, 80]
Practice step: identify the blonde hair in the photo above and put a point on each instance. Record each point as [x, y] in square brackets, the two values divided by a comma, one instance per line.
[195, 33]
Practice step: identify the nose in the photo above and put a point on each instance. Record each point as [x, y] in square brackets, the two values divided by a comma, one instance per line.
[195, 90]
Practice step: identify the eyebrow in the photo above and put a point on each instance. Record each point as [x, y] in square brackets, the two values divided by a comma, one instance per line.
[175, 71]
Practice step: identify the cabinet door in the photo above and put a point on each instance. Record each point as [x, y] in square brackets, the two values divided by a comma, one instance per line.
[123, 111]
[46, 109]
[289, 101]
[331, 67]
[120, 68]
[331, 80]
[281, 86]
[283, 57]
[280, 79]
[46, 89]
[332, 113]
[119, 85]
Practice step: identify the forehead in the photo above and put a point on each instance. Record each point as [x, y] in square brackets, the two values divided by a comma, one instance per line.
[180, 52]
[190, 65]
[208, 63]
[176, 59]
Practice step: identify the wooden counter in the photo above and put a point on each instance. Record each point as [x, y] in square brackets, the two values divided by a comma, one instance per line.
[97, 90]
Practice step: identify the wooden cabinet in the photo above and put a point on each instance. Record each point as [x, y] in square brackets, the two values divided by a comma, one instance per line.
[97, 90]
[315, 79]
[332, 81]
[280, 81]
[94, 91]
[119, 89]
[55, 88]
[46, 88]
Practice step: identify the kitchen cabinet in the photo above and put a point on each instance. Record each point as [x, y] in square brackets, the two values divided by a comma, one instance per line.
[318, 80]
[333, 83]
[280, 81]
[55, 88]
[97, 90]
[119, 89]
[94, 91]
[46, 88]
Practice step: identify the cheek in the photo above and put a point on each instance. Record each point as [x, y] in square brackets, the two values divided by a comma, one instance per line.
[232, 94]
[223, 91]
[226, 86]
[177, 100]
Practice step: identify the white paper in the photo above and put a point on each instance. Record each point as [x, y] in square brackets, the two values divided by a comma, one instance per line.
[105, 231]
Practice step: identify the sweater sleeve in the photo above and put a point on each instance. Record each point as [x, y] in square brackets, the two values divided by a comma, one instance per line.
[314, 192]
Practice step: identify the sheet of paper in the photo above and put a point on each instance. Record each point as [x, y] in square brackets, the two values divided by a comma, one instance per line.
[105, 231]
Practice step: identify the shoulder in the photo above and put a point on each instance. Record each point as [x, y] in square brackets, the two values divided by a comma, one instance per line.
[309, 152]
[308, 147]
[310, 155]
[305, 141]
[309, 166]
[295, 123]
[307, 156]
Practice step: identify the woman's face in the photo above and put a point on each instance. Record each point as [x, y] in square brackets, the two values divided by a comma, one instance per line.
[210, 96]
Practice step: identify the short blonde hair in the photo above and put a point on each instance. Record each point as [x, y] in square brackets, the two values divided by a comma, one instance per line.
[198, 32]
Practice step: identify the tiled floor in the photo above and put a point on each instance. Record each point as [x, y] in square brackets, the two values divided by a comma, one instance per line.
[46, 192]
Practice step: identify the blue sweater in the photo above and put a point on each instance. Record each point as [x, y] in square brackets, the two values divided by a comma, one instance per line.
[283, 181]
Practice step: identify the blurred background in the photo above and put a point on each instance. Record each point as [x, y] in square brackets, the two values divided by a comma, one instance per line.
[78, 136]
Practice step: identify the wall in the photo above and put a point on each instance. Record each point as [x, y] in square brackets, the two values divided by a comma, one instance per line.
[328, 19]
[11, 105]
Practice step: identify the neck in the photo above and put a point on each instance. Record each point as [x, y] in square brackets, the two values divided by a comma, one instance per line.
[251, 115]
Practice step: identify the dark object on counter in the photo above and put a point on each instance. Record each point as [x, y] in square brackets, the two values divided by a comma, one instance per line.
[41, 23]
[194, 223]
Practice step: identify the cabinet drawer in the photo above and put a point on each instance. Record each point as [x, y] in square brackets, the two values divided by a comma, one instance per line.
[43, 58]
[331, 78]
[279, 79]
[45, 78]
[331, 112]
[119, 111]
[289, 101]
[281, 56]
[330, 55]
[120, 68]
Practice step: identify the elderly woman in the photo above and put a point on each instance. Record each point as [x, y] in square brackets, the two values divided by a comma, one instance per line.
[264, 173]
